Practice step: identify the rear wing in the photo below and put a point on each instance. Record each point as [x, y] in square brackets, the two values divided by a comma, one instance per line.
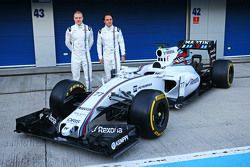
[208, 45]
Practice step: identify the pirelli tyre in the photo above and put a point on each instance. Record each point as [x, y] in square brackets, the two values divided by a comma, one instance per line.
[149, 112]
[222, 73]
[64, 96]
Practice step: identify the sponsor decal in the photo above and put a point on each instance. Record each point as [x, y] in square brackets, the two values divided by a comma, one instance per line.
[52, 119]
[74, 87]
[72, 120]
[204, 46]
[179, 60]
[101, 129]
[197, 42]
[170, 51]
[189, 42]
[167, 58]
[182, 84]
[98, 94]
[192, 81]
[157, 133]
[202, 42]
[85, 108]
[135, 88]
[65, 128]
[119, 142]
[144, 86]
[212, 52]
[159, 97]
[79, 114]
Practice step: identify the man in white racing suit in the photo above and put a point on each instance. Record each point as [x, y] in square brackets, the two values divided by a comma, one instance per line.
[109, 41]
[79, 40]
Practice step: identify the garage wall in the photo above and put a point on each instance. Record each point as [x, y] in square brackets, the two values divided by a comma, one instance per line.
[237, 28]
[208, 22]
[17, 45]
[143, 23]
[44, 36]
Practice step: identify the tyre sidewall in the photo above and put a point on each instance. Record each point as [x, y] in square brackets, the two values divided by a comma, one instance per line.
[221, 73]
[142, 110]
[60, 92]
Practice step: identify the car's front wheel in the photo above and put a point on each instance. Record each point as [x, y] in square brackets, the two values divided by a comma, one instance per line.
[149, 112]
[64, 97]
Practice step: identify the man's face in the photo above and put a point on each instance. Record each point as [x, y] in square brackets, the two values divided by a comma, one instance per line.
[78, 18]
[108, 21]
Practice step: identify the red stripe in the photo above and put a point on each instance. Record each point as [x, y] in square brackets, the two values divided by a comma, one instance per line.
[140, 68]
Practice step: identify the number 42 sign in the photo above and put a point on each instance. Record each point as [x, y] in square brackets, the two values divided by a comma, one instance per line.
[196, 15]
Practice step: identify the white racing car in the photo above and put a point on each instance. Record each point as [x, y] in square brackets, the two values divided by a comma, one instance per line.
[138, 97]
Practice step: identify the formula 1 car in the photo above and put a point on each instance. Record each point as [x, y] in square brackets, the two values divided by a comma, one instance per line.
[139, 98]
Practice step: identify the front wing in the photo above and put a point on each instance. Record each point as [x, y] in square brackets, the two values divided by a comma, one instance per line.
[110, 140]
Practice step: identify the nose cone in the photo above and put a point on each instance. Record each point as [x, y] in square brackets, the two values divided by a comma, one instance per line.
[67, 131]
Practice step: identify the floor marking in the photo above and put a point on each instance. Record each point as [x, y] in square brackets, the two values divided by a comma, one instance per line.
[161, 161]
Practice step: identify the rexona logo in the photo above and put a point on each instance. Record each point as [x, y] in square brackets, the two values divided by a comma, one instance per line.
[119, 142]
[74, 121]
[101, 129]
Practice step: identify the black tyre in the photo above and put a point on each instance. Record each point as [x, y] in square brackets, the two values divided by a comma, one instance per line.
[222, 73]
[149, 112]
[64, 95]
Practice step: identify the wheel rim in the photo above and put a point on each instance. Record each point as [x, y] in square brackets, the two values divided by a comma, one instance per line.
[230, 74]
[160, 116]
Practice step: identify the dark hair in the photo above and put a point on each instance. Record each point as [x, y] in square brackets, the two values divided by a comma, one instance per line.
[107, 14]
[78, 12]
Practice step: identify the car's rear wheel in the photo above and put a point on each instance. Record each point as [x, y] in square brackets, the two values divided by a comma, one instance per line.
[222, 73]
[64, 97]
[149, 112]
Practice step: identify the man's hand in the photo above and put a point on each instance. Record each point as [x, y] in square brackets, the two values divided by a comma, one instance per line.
[101, 61]
[123, 58]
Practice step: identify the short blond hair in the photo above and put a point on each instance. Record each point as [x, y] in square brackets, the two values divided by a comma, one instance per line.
[78, 12]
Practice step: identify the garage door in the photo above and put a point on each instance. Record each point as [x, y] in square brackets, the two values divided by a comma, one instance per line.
[237, 28]
[17, 48]
[143, 23]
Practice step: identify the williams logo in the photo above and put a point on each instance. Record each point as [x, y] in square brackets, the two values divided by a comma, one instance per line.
[192, 81]
[135, 88]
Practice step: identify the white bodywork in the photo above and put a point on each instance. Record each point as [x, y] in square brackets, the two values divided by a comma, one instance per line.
[183, 80]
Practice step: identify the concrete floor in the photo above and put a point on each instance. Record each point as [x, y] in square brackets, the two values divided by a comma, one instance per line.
[219, 119]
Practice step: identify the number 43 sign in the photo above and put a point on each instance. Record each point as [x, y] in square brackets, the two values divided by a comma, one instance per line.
[39, 13]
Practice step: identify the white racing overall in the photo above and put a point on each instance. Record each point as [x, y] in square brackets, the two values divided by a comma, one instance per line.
[79, 40]
[109, 41]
